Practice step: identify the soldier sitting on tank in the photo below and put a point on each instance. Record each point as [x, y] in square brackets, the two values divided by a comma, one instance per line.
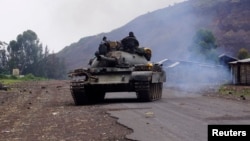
[130, 43]
[104, 47]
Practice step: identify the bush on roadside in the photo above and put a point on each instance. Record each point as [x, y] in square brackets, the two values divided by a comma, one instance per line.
[2, 76]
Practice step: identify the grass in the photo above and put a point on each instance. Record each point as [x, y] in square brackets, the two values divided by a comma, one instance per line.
[7, 80]
[235, 90]
[10, 81]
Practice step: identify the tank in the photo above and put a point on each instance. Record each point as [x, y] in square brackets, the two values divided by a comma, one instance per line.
[118, 70]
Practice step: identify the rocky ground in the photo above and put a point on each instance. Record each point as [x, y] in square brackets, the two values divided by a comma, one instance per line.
[45, 111]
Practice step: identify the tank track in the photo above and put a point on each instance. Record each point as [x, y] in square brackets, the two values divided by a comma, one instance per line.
[81, 96]
[147, 92]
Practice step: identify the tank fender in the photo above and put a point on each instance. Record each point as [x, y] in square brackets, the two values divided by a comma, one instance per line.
[154, 77]
[141, 76]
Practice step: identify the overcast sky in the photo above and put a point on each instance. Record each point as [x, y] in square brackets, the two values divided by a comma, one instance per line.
[59, 23]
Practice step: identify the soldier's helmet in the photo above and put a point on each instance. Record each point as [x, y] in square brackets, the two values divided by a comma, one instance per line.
[104, 38]
[131, 34]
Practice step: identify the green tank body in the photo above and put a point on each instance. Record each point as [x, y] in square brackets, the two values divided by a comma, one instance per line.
[118, 71]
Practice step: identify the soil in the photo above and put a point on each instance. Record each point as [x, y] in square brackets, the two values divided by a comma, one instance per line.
[44, 110]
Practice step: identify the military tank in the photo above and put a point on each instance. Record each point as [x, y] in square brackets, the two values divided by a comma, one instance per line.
[117, 69]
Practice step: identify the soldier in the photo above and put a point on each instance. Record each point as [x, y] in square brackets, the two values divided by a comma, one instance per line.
[104, 40]
[130, 43]
[104, 47]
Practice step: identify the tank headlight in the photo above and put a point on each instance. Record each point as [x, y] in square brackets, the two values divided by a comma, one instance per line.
[150, 66]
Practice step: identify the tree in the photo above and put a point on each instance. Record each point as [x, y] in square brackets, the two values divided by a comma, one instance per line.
[3, 58]
[243, 53]
[204, 46]
[55, 67]
[25, 52]
[42, 64]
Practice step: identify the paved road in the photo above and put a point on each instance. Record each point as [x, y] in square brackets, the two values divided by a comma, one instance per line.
[178, 116]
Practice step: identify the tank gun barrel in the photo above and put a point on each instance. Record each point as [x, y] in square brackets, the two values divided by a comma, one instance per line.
[162, 61]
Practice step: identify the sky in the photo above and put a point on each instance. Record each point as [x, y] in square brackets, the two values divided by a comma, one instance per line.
[59, 23]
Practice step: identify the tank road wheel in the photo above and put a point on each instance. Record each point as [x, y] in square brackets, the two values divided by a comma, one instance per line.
[153, 93]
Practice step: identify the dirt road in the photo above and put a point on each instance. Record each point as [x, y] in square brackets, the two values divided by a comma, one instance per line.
[45, 111]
